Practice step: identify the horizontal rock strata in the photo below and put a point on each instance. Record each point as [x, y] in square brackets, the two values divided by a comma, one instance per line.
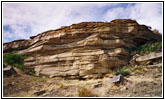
[87, 48]
[150, 56]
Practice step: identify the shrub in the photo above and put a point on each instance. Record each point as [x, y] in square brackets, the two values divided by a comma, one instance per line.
[137, 68]
[124, 71]
[86, 93]
[159, 68]
[149, 47]
[31, 72]
[15, 60]
[20, 66]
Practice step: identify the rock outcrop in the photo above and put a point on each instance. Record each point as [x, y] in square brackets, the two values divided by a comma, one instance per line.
[16, 45]
[150, 56]
[8, 71]
[150, 60]
[83, 49]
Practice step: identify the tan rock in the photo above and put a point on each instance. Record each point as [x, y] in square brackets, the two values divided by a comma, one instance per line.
[150, 56]
[83, 49]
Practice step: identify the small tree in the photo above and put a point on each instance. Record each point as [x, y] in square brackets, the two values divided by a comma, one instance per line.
[15, 60]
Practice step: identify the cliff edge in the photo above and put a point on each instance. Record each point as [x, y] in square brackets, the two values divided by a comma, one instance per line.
[84, 50]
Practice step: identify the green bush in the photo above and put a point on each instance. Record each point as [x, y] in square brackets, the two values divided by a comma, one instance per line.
[149, 47]
[15, 60]
[159, 68]
[31, 72]
[124, 71]
[20, 66]
[137, 68]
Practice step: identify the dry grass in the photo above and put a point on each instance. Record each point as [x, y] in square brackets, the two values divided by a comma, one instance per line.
[25, 86]
[84, 92]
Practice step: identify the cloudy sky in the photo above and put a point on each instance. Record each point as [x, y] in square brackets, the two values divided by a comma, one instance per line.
[22, 20]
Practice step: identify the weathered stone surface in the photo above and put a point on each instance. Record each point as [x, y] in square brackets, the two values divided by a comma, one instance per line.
[39, 92]
[124, 88]
[150, 56]
[155, 65]
[116, 79]
[16, 45]
[8, 71]
[96, 85]
[83, 49]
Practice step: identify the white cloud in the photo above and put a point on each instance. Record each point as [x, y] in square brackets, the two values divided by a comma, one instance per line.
[144, 13]
[116, 13]
[29, 19]
[45, 16]
[149, 14]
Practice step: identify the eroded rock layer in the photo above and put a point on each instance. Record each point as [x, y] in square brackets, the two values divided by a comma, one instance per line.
[84, 49]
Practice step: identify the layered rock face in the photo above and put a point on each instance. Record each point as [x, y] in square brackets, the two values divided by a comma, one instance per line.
[84, 49]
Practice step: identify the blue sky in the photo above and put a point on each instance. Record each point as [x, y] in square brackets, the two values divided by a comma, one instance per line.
[22, 20]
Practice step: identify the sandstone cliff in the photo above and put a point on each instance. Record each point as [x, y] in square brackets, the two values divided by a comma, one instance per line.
[84, 49]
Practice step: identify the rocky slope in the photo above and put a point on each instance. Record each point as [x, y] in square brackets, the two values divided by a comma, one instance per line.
[144, 82]
[84, 50]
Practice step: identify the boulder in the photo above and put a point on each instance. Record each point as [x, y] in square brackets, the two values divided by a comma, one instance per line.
[96, 85]
[8, 71]
[155, 65]
[124, 88]
[83, 49]
[116, 79]
[149, 56]
[37, 93]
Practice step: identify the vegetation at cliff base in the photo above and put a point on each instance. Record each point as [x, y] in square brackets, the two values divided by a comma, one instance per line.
[149, 47]
[128, 70]
[124, 71]
[15, 60]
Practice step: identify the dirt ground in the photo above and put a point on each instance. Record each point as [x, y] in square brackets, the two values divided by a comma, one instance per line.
[146, 83]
